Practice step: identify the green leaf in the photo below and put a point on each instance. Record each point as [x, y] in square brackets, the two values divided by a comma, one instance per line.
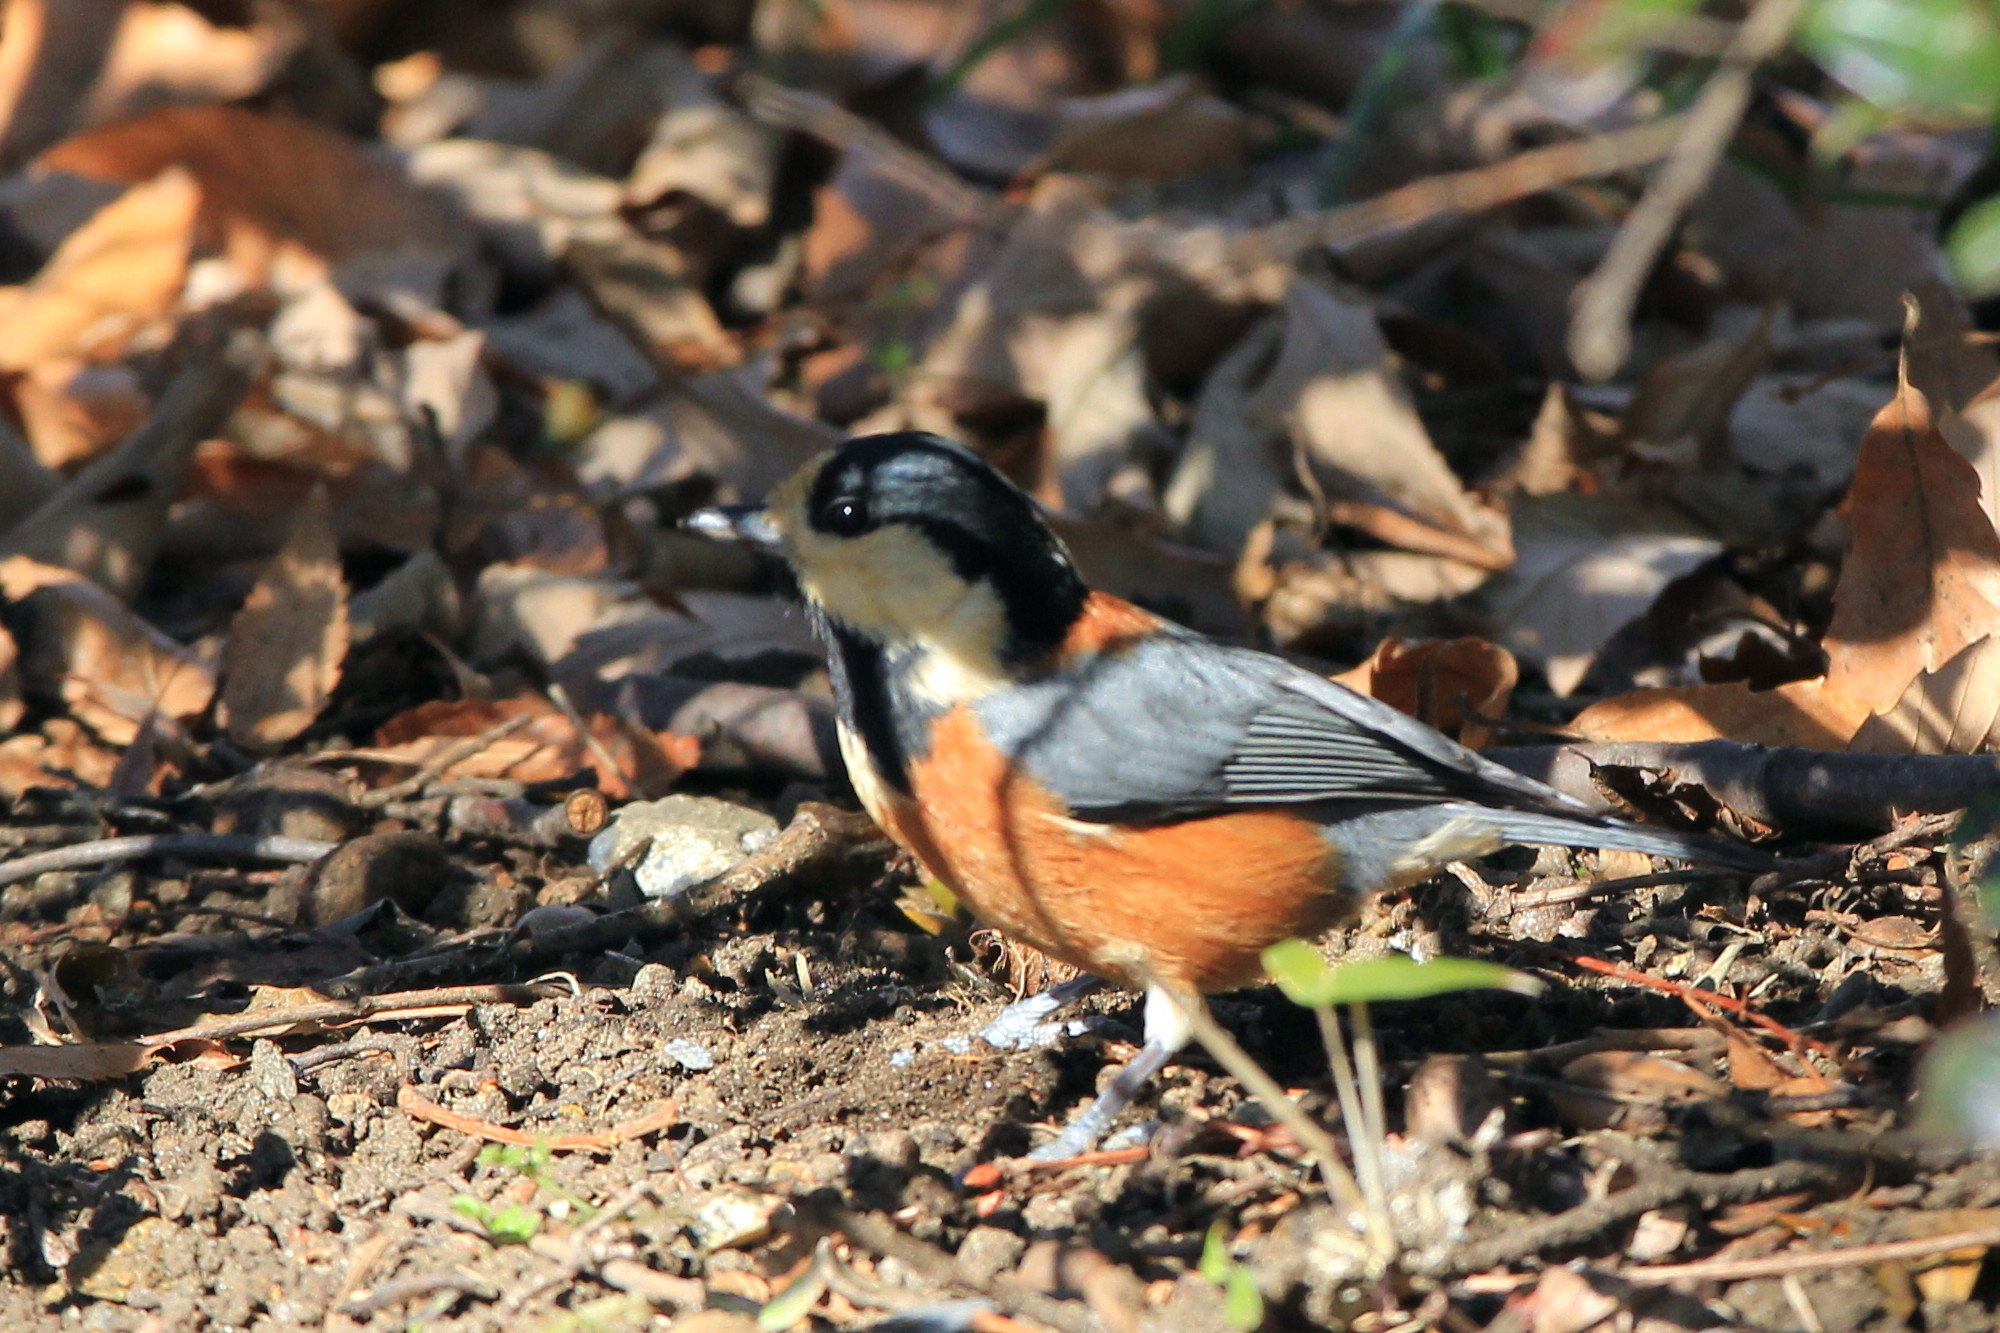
[1308, 979]
[1958, 1084]
[1215, 1262]
[1925, 57]
[516, 1224]
[792, 1304]
[1973, 249]
[1242, 1303]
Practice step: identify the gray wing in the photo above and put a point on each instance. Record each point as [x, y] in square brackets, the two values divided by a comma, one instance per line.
[1175, 723]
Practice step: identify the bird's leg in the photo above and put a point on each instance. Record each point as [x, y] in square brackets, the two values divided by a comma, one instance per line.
[1166, 1032]
[1023, 1025]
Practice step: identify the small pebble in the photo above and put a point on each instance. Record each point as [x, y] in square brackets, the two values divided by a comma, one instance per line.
[689, 840]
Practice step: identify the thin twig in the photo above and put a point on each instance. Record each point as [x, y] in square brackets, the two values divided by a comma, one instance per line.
[1668, 1186]
[664, 1115]
[837, 127]
[1476, 190]
[1600, 333]
[1813, 1261]
[106, 851]
[344, 1011]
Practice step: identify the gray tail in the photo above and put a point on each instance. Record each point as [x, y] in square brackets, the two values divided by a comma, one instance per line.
[1583, 831]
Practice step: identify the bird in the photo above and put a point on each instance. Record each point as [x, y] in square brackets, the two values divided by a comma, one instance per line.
[1147, 804]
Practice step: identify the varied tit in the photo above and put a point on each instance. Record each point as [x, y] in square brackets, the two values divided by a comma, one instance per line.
[1121, 793]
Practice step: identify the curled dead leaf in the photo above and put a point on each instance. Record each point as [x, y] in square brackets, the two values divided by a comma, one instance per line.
[113, 276]
[287, 643]
[269, 186]
[1805, 713]
[1635, 1091]
[112, 668]
[1954, 709]
[11, 706]
[1446, 683]
[1921, 580]
[626, 758]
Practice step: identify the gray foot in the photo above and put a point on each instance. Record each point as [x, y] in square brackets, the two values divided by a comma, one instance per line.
[1083, 1133]
[1025, 1024]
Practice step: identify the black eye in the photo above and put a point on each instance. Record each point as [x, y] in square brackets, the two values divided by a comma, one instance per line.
[846, 516]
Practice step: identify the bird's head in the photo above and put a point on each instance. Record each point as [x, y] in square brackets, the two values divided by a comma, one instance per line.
[912, 542]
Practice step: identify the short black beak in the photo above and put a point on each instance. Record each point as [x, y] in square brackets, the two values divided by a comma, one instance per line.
[748, 524]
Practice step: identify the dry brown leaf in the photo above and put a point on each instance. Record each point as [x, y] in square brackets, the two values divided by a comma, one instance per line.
[646, 762]
[1161, 131]
[1952, 710]
[1803, 713]
[1447, 683]
[11, 706]
[287, 643]
[107, 519]
[1191, 586]
[61, 754]
[87, 1063]
[1974, 432]
[1682, 408]
[166, 52]
[1951, 1277]
[1635, 1091]
[1921, 580]
[1584, 567]
[72, 410]
[111, 668]
[1336, 388]
[114, 275]
[268, 185]
[1564, 1301]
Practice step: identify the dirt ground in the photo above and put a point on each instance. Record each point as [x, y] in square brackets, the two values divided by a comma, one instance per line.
[801, 1119]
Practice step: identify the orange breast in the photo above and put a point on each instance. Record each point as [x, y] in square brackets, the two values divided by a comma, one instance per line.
[1191, 904]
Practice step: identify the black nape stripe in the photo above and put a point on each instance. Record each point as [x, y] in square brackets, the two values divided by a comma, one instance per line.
[875, 703]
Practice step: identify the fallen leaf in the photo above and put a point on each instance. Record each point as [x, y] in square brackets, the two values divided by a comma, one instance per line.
[111, 668]
[87, 1062]
[107, 519]
[1681, 411]
[60, 755]
[1954, 709]
[1951, 1277]
[1635, 1091]
[270, 186]
[1446, 683]
[1336, 389]
[646, 762]
[114, 275]
[72, 410]
[1812, 425]
[1584, 567]
[1564, 1301]
[11, 706]
[1974, 432]
[167, 52]
[287, 643]
[712, 152]
[1804, 713]
[1160, 131]
[1921, 579]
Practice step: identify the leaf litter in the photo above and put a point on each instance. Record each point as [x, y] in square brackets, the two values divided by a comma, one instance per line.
[358, 363]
